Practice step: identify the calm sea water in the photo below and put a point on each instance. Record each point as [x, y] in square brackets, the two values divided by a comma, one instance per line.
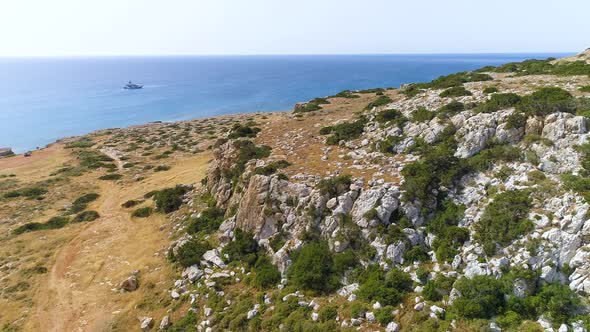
[43, 99]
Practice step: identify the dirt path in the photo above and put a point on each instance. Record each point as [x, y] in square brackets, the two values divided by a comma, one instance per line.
[79, 293]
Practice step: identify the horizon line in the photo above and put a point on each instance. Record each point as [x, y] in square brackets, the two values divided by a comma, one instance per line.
[275, 54]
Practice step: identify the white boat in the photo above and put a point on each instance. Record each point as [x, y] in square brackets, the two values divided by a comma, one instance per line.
[132, 86]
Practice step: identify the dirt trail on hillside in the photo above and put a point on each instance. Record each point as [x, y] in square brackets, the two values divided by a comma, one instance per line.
[80, 292]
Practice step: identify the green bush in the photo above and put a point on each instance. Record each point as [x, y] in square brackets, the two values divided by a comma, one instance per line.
[451, 108]
[81, 143]
[29, 192]
[546, 101]
[490, 89]
[504, 219]
[498, 102]
[436, 288]
[327, 313]
[142, 212]
[86, 216]
[191, 252]
[111, 177]
[585, 88]
[449, 236]
[416, 254]
[422, 115]
[344, 131]
[169, 199]
[247, 151]
[92, 159]
[131, 203]
[313, 268]
[85, 199]
[208, 222]
[516, 120]
[386, 288]
[265, 273]
[239, 130]
[335, 186]
[272, 167]
[344, 261]
[484, 159]
[243, 248]
[345, 94]
[456, 91]
[161, 168]
[393, 116]
[380, 101]
[310, 106]
[53, 223]
[481, 297]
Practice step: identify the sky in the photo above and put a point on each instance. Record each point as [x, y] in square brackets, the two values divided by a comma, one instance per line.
[203, 27]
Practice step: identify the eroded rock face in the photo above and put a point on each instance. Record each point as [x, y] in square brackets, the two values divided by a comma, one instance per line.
[475, 132]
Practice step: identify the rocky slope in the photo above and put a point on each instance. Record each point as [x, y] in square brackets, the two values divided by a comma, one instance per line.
[472, 215]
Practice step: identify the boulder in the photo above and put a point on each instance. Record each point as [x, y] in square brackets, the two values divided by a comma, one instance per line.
[146, 323]
[475, 133]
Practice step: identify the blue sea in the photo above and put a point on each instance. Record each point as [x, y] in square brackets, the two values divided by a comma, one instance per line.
[43, 99]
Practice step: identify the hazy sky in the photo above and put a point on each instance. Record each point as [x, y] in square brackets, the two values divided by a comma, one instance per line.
[133, 27]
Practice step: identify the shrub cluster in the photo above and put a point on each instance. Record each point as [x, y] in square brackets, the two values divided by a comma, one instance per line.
[449, 236]
[310, 106]
[504, 219]
[344, 131]
[445, 82]
[456, 91]
[29, 192]
[391, 116]
[380, 101]
[499, 101]
[81, 143]
[246, 151]
[53, 223]
[335, 186]
[111, 177]
[272, 167]
[208, 221]
[190, 253]
[86, 216]
[346, 94]
[142, 212]
[545, 67]
[387, 288]
[169, 199]
[239, 130]
[313, 268]
[422, 115]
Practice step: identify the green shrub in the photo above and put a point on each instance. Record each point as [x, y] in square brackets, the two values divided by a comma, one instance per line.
[380, 101]
[345, 94]
[243, 248]
[344, 131]
[169, 199]
[490, 89]
[422, 115]
[344, 261]
[239, 130]
[335, 186]
[85, 199]
[161, 168]
[111, 177]
[131, 203]
[327, 313]
[546, 101]
[386, 288]
[451, 108]
[498, 102]
[313, 268]
[504, 219]
[265, 273]
[393, 116]
[91, 159]
[484, 159]
[272, 167]
[29, 192]
[86, 216]
[191, 252]
[456, 91]
[142, 212]
[436, 288]
[53, 223]
[516, 120]
[481, 297]
[449, 236]
[310, 106]
[208, 222]
[247, 151]
[81, 143]
[416, 254]
[585, 88]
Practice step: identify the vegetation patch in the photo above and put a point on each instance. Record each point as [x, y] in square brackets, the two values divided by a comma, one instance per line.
[422, 115]
[111, 177]
[344, 131]
[391, 116]
[335, 186]
[313, 268]
[504, 220]
[82, 143]
[142, 212]
[169, 199]
[546, 101]
[239, 130]
[53, 223]
[272, 167]
[380, 101]
[311, 106]
[387, 288]
[29, 192]
[247, 151]
[456, 91]
[498, 102]
[86, 216]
